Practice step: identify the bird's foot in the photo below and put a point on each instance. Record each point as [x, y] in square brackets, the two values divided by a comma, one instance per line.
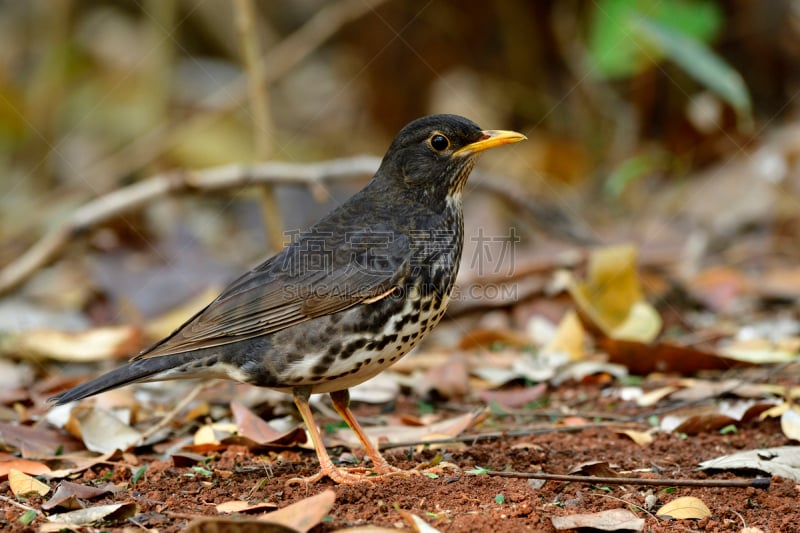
[442, 467]
[349, 476]
[379, 472]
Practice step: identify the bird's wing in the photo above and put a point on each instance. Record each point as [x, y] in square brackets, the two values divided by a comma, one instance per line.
[278, 294]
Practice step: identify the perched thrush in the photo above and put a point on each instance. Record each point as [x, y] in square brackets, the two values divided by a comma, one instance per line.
[349, 297]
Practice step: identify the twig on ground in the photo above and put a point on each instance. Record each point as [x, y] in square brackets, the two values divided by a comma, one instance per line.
[12, 501]
[482, 437]
[200, 387]
[758, 482]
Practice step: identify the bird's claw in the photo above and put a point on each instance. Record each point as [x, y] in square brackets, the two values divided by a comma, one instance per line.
[351, 476]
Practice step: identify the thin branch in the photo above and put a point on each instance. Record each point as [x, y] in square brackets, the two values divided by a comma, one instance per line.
[18, 504]
[758, 482]
[169, 417]
[136, 196]
[483, 437]
[260, 114]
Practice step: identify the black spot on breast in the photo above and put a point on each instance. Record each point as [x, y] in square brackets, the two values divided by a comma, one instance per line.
[333, 350]
[381, 361]
[406, 319]
[386, 341]
[377, 315]
[323, 365]
[406, 338]
[349, 349]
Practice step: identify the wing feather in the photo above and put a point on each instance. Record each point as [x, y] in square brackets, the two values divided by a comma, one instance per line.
[272, 297]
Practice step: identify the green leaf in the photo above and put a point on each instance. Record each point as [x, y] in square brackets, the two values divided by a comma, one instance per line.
[627, 172]
[617, 51]
[698, 61]
[500, 499]
[730, 428]
[478, 471]
[27, 517]
[137, 476]
[426, 408]
[432, 475]
[203, 471]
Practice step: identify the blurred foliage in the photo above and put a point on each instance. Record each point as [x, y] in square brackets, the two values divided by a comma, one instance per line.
[628, 37]
[96, 94]
[615, 46]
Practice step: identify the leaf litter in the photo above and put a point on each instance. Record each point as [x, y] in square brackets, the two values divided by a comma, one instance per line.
[549, 377]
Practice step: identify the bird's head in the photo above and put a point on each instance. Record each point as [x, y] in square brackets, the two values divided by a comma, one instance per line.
[431, 157]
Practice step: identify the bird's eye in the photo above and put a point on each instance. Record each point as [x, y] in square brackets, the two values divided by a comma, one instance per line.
[439, 142]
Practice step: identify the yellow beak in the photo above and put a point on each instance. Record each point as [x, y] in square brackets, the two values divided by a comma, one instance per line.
[490, 139]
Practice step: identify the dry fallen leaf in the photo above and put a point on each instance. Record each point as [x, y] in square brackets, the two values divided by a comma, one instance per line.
[570, 338]
[243, 506]
[781, 461]
[611, 520]
[26, 466]
[68, 495]
[253, 427]
[513, 398]
[217, 524]
[683, 508]
[103, 432]
[594, 469]
[305, 514]
[790, 423]
[639, 437]
[650, 398]
[81, 517]
[705, 423]
[763, 351]
[97, 344]
[22, 484]
[37, 441]
[418, 525]
[448, 380]
[70, 464]
[611, 299]
[643, 358]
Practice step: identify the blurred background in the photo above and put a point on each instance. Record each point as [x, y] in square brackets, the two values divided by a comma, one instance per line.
[671, 123]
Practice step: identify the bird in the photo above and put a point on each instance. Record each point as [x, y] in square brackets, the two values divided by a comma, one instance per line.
[345, 299]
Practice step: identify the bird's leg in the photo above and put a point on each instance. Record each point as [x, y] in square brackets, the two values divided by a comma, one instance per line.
[341, 402]
[326, 466]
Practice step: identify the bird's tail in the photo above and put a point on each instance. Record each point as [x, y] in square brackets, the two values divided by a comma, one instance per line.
[173, 366]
